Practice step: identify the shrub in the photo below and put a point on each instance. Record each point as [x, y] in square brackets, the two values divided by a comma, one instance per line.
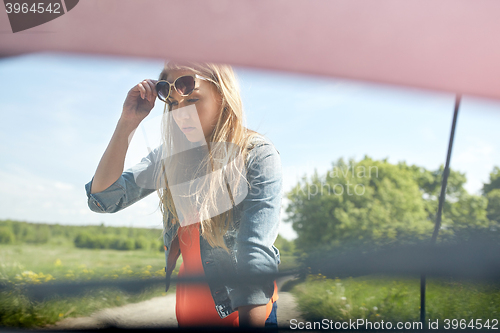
[6, 235]
[141, 243]
[89, 241]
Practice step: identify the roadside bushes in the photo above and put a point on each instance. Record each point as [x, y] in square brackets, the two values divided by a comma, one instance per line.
[90, 237]
[20, 232]
[115, 242]
[6, 236]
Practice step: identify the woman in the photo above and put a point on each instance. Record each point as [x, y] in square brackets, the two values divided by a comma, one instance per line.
[219, 186]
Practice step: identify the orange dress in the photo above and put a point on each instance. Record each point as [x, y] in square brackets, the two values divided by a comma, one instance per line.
[194, 303]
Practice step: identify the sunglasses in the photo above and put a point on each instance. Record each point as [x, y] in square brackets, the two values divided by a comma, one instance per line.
[184, 85]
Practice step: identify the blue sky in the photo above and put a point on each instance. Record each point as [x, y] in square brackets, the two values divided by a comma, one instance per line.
[59, 112]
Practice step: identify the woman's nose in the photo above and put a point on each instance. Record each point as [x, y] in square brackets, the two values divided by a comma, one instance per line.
[181, 111]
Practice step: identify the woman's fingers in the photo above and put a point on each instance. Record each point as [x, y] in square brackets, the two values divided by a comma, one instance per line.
[152, 84]
[147, 87]
[142, 90]
[136, 108]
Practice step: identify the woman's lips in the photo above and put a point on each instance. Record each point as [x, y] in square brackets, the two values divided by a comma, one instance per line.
[188, 129]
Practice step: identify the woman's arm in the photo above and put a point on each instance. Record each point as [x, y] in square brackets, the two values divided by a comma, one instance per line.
[252, 315]
[110, 167]
[258, 229]
[139, 102]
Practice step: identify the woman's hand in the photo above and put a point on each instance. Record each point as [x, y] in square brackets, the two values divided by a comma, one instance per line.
[139, 102]
[252, 315]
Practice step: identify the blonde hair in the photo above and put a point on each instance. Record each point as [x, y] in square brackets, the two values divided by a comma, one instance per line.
[229, 139]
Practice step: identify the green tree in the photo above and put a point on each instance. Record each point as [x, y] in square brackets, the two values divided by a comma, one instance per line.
[494, 181]
[7, 235]
[461, 210]
[284, 245]
[492, 192]
[493, 208]
[378, 203]
[369, 201]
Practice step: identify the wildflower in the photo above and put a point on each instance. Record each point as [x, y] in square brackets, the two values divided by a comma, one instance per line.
[343, 298]
[58, 263]
[375, 308]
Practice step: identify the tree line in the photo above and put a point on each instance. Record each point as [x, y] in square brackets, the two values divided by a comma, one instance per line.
[92, 237]
[95, 237]
[376, 203]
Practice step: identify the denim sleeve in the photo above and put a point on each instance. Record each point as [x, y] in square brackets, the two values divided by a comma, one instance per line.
[128, 189]
[258, 226]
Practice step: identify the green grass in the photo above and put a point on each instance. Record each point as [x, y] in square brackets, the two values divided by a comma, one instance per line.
[40, 253]
[18, 311]
[378, 298]
[59, 261]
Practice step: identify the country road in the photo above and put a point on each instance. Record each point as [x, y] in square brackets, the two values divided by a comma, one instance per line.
[160, 312]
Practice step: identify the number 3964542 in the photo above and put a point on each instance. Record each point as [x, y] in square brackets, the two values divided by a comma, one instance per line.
[34, 8]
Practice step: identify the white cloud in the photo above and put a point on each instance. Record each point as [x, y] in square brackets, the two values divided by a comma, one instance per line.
[63, 186]
[476, 157]
[26, 196]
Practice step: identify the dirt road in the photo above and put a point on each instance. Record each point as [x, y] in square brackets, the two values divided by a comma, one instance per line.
[160, 312]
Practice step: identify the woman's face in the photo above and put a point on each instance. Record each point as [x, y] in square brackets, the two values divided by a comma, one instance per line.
[196, 114]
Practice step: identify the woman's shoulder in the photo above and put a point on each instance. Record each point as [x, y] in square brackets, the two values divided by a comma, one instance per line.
[260, 140]
[261, 149]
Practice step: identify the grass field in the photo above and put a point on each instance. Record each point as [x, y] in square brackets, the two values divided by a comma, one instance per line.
[377, 298]
[58, 261]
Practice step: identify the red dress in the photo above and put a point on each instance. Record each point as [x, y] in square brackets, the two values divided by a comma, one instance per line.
[194, 303]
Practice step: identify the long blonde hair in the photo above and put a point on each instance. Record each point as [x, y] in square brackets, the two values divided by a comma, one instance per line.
[229, 139]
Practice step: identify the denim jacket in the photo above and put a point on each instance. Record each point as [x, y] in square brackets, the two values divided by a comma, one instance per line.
[250, 240]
